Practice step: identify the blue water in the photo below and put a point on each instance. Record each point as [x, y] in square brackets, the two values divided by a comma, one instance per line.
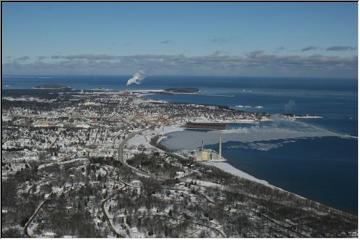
[323, 169]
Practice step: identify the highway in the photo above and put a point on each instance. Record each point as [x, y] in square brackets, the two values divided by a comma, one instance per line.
[123, 161]
[111, 225]
[145, 174]
[34, 214]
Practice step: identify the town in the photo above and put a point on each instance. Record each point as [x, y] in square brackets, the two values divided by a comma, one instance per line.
[91, 164]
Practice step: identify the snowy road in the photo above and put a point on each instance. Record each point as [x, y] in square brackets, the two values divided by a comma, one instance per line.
[123, 161]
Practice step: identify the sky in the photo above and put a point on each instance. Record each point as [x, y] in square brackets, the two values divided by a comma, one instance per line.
[227, 39]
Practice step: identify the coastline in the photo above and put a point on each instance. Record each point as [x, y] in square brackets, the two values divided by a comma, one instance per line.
[301, 130]
[225, 166]
[222, 165]
[228, 168]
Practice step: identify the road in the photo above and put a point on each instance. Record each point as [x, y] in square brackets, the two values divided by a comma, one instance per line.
[142, 173]
[34, 215]
[112, 227]
[123, 161]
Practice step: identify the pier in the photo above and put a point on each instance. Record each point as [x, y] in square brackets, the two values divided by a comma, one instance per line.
[207, 126]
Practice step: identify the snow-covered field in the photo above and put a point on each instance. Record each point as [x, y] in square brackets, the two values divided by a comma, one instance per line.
[145, 137]
[226, 167]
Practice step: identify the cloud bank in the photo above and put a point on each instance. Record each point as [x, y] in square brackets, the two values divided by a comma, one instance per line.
[341, 48]
[310, 48]
[165, 42]
[256, 63]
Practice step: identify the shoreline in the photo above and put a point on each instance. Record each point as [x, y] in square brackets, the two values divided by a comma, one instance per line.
[224, 165]
[228, 168]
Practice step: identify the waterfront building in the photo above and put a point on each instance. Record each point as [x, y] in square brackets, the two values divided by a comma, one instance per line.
[208, 154]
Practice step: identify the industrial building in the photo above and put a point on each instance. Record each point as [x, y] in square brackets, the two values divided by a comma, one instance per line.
[209, 154]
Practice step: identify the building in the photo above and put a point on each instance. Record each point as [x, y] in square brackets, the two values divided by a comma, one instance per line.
[203, 155]
[208, 154]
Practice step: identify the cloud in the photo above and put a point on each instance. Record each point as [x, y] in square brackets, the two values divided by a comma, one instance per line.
[22, 59]
[218, 53]
[127, 44]
[340, 48]
[255, 63]
[219, 40]
[165, 42]
[41, 58]
[310, 48]
[256, 53]
[85, 57]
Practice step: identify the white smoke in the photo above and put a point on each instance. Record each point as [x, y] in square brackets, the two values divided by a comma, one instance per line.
[136, 78]
[289, 107]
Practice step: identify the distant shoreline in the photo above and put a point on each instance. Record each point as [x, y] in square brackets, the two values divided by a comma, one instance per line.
[52, 87]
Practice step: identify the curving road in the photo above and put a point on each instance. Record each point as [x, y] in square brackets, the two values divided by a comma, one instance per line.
[123, 161]
[112, 227]
[34, 215]
[145, 174]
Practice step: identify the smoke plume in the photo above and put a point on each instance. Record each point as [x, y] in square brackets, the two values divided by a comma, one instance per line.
[289, 106]
[136, 78]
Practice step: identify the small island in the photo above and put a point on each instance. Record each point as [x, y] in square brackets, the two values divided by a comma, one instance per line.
[181, 90]
[52, 87]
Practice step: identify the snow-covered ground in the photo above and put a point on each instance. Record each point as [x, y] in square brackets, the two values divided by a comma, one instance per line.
[304, 117]
[145, 137]
[80, 160]
[28, 99]
[183, 142]
[138, 140]
[247, 120]
[226, 167]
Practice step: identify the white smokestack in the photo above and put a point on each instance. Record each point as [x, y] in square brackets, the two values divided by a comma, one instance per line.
[220, 147]
[136, 78]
